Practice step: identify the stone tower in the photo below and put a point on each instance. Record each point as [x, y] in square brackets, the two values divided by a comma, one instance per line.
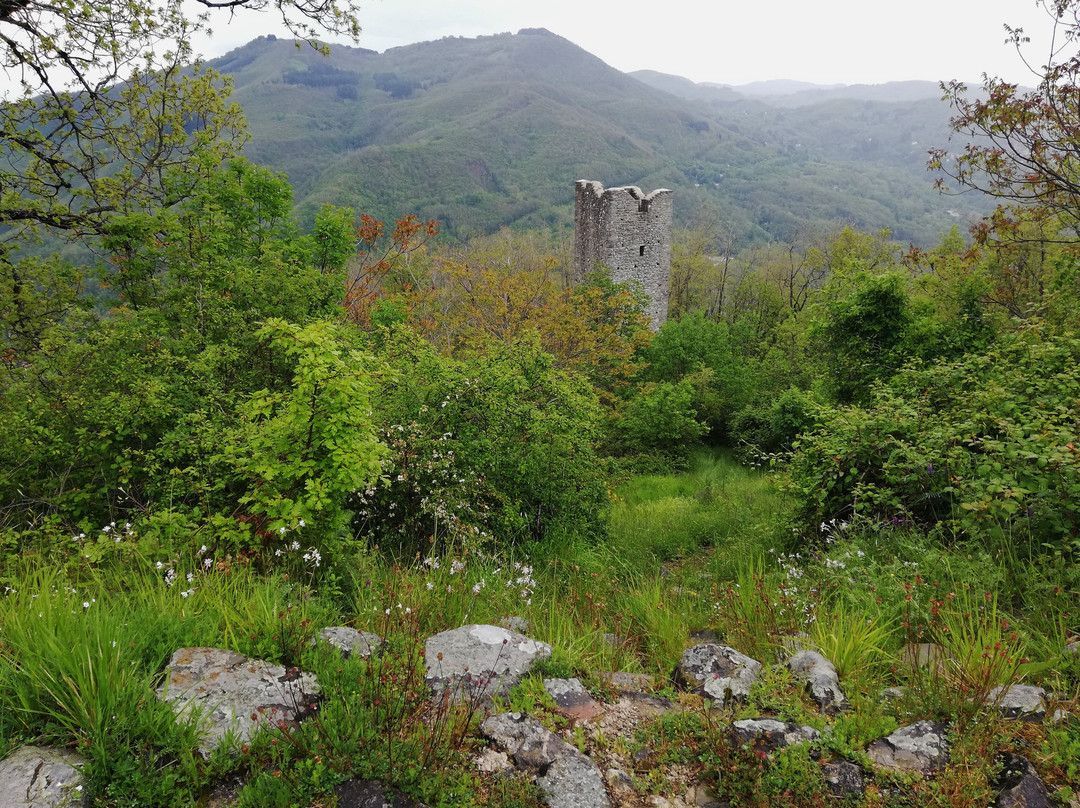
[629, 232]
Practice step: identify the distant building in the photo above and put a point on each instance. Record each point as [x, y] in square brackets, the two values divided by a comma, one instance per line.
[629, 232]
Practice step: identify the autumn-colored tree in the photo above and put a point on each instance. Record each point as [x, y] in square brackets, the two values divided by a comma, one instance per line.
[377, 255]
[498, 289]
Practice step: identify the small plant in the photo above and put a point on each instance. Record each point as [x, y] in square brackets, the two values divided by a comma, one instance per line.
[856, 644]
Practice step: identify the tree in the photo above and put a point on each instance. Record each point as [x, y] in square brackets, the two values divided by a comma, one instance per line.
[1025, 146]
[108, 103]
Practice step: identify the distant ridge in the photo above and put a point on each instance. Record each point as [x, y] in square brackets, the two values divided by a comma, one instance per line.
[492, 131]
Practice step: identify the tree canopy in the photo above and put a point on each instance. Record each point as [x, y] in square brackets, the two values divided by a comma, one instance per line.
[108, 101]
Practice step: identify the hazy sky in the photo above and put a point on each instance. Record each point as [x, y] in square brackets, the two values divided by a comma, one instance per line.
[827, 41]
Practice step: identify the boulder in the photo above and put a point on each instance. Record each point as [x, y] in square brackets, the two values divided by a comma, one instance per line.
[234, 695]
[921, 748]
[349, 641]
[42, 777]
[844, 779]
[1020, 702]
[767, 734]
[822, 681]
[479, 661]
[573, 781]
[568, 778]
[1019, 786]
[717, 671]
[572, 699]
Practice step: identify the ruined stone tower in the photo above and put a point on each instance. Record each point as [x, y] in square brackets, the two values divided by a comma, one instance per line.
[629, 232]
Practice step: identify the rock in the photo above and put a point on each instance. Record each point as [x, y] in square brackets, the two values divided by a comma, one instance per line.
[619, 781]
[42, 777]
[920, 747]
[572, 699]
[568, 778]
[644, 759]
[574, 781]
[349, 641]
[1022, 702]
[1073, 647]
[893, 693]
[526, 740]
[821, 679]
[844, 779]
[717, 671]
[700, 797]
[767, 735]
[924, 655]
[479, 661]
[490, 761]
[1020, 786]
[625, 682]
[231, 693]
[372, 794]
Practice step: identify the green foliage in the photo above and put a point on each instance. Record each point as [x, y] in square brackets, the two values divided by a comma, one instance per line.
[661, 418]
[304, 450]
[984, 445]
[701, 351]
[496, 449]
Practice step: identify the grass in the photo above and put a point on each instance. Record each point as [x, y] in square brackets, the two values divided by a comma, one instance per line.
[83, 645]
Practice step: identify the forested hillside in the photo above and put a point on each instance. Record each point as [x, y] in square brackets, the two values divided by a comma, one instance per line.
[481, 133]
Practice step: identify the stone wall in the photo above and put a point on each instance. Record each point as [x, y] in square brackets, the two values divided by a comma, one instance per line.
[629, 232]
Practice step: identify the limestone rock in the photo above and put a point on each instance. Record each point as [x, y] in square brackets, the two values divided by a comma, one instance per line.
[42, 777]
[479, 661]
[619, 781]
[572, 699]
[349, 641]
[231, 693]
[893, 693]
[372, 794]
[1020, 786]
[526, 740]
[573, 781]
[717, 671]
[768, 735]
[821, 679]
[491, 761]
[843, 779]
[920, 747]
[1022, 702]
[568, 778]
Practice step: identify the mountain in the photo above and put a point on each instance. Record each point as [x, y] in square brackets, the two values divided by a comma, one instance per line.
[495, 130]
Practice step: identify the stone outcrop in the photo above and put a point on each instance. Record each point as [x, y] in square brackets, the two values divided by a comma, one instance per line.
[1019, 702]
[768, 735]
[568, 778]
[572, 699]
[479, 661]
[822, 681]
[232, 695]
[717, 671]
[921, 748]
[42, 777]
[1020, 786]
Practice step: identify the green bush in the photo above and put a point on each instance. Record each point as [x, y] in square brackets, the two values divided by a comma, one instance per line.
[984, 446]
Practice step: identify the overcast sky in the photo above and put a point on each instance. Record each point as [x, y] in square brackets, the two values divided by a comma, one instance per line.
[728, 42]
